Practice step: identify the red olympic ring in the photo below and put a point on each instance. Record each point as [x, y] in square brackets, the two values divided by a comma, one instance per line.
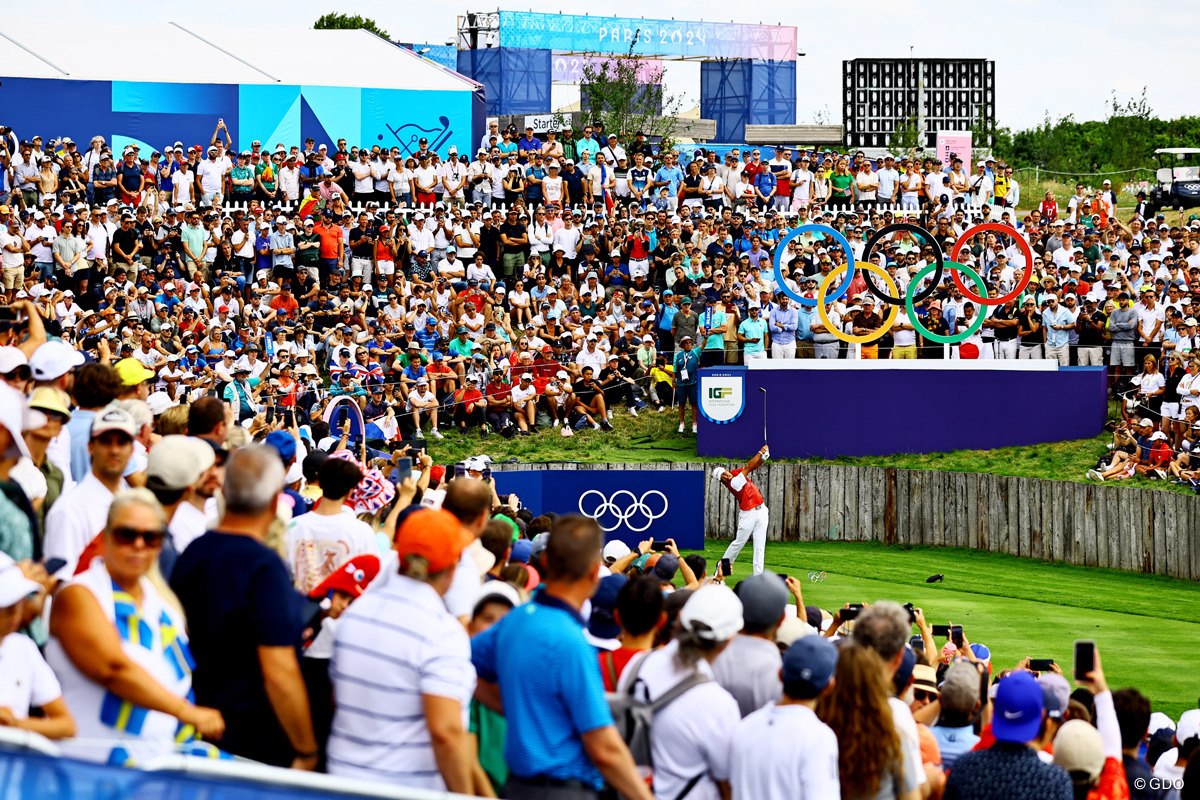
[1026, 250]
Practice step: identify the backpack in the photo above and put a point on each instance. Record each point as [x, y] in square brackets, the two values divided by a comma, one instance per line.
[634, 719]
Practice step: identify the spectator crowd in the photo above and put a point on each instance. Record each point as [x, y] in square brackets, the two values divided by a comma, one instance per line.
[203, 552]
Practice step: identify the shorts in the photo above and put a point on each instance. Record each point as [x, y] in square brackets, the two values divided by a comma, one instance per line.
[14, 278]
[1172, 412]
[686, 394]
[386, 267]
[360, 267]
[1121, 354]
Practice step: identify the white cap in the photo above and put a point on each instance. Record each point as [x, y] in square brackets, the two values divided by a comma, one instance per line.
[54, 359]
[12, 417]
[1158, 435]
[1189, 725]
[160, 401]
[280, 220]
[498, 590]
[11, 358]
[713, 613]
[614, 550]
[14, 586]
[177, 462]
[718, 472]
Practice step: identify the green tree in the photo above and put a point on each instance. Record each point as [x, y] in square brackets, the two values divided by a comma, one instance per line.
[611, 93]
[908, 135]
[342, 22]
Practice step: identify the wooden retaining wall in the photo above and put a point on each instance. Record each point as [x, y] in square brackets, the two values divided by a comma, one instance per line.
[1095, 525]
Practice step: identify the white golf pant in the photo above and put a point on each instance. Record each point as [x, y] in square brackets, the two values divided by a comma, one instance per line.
[750, 523]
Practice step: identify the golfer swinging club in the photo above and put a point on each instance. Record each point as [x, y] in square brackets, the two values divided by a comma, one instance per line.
[752, 517]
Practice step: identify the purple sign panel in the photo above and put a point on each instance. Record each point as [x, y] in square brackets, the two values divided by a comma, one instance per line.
[568, 68]
[652, 37]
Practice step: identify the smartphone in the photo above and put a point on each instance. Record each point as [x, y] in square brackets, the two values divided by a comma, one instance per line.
[403, 469]
[850, 612]
[53, 565]
[1085, 658]
[460, 470]
[956, 636]
[916, 642]
[7, 314]
[270, 414]
[912, 613]
[726, 567]
[659, 545]
[1040, 664]
[941, 630]
[783, 577]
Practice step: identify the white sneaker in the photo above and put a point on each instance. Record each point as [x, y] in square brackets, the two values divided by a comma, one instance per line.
[633, 411]
[566, 431]
[595, 426]
[661, 409]
[681, 427]
[437, 434]
[693, 427]
[419, 434]
[555, 423]
[610, 414]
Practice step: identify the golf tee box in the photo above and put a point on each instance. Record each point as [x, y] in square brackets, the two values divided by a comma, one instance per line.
[826, 408]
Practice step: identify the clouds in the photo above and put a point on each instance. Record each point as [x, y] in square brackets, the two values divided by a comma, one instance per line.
[1065, 56]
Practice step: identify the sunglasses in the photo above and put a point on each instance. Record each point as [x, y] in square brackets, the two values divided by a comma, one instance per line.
[128, 536]
[926, 696]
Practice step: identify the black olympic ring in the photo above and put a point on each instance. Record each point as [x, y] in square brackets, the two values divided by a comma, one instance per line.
[927, 236]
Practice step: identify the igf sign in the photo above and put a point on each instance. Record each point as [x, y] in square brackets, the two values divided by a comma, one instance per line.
[722, 395]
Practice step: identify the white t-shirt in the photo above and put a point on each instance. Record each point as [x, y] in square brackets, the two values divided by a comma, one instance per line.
[521, 396]
[784, 752]
[686, 743]
[77, 517]
[363, 180]
[187, 525]
[801, 184]
[26, 680]
[317, 544]
[210, 174]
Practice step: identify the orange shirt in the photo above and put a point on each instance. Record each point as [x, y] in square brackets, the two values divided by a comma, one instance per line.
[331, 240]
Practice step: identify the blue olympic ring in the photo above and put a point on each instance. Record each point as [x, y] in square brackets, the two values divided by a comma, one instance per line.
[827, 231]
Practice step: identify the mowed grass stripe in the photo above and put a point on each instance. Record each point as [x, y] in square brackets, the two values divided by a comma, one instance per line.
[1142, 624]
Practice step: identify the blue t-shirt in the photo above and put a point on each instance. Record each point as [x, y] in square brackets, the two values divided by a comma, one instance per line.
[552, 690]
[238, 597]
[752, 328]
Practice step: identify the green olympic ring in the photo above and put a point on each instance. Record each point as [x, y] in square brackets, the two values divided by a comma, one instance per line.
[953, 338]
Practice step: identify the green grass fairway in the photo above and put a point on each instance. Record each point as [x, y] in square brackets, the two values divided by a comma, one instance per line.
[1145, 626]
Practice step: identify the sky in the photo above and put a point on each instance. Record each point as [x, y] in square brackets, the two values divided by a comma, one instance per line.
[1061, 56]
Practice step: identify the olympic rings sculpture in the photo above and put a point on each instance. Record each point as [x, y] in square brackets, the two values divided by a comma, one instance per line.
[637, 507]
[940, 264]
[817, 577]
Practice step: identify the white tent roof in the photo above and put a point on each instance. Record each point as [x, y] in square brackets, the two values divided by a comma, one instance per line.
[183, 53]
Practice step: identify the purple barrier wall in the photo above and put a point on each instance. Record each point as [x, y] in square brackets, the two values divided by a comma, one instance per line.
[871, 412]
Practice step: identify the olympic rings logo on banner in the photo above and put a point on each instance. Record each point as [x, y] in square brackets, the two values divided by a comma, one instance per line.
[940, 264]
[637, 509]
[817, 577]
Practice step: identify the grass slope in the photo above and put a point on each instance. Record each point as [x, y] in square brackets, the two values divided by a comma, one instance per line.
[1145, 626]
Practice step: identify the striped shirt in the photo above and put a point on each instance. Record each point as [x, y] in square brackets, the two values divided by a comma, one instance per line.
[393, 645]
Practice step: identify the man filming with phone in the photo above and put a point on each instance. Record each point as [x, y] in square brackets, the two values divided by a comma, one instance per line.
[752, 511]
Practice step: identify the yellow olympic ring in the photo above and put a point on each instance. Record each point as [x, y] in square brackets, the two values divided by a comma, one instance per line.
[846, 337]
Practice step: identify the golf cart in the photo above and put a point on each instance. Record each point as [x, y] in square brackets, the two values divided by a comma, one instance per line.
[1178, 179]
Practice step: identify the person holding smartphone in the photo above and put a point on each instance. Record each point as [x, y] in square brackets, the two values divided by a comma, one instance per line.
[752, 509]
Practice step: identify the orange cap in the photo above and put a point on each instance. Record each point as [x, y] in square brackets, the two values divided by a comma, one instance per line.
[435, 535]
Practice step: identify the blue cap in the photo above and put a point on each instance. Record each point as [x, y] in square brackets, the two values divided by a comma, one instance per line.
[437, 356]
[1018, 715]
[283, 443]
[810, 661]
[666, 567]
[602, 624]
[521, 549]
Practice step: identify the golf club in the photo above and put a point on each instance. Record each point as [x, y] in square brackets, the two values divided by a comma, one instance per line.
[763, 389]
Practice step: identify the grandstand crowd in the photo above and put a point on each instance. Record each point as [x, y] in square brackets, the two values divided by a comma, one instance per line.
[198, 557]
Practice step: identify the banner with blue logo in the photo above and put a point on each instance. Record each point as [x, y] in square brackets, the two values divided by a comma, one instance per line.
[722, 394]
[630, 505]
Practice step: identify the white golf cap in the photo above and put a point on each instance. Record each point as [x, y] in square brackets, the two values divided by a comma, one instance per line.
[54, 359]
[177, 462]
[614, 550]
[718, 472]
[713, 613]
[160, 401]
[10, 359]
[14, 586]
